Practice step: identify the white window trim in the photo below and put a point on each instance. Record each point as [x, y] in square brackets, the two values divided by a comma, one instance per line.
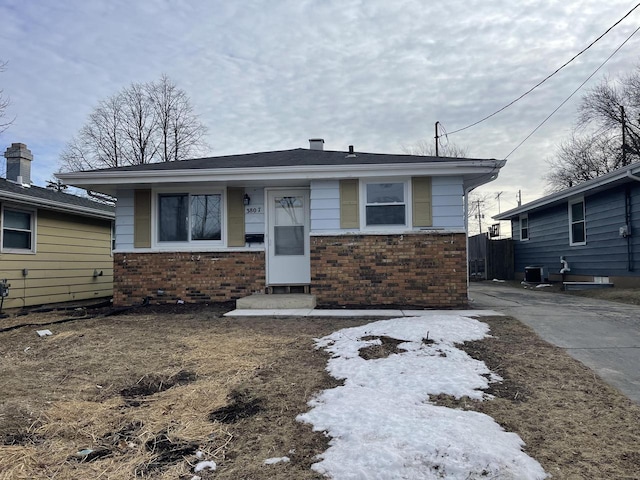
[24, 251]
[188, 245]
[584, 221]
[524, 217]
[408, 195]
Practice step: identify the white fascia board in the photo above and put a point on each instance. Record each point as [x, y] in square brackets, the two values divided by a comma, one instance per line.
[310, 172]
[57, 206]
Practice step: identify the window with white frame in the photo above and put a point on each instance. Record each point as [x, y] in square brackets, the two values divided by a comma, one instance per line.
[386, 204]
[189, 217]
[524, 227]
[18, 230]
[577, 225]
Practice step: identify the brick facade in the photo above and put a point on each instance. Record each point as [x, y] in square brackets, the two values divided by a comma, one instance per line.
[192, 277]
[423, 269]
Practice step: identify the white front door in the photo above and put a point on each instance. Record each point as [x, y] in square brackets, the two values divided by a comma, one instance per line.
[288, 237]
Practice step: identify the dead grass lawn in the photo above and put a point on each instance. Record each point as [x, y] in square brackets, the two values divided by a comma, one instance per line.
[148, 389]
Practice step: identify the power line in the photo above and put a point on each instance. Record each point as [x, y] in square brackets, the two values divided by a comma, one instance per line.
[574, 92]
[549, 76]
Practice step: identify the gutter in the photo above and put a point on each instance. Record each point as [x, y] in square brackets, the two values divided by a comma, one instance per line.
[280, 172]
[567, 193]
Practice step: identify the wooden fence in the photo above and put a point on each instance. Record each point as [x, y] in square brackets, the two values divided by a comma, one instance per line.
[489, 259]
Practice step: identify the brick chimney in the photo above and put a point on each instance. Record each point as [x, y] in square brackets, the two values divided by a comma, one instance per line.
[316, 143]
[19, 159]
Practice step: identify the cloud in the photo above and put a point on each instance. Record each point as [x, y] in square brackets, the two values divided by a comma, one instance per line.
[269, 75]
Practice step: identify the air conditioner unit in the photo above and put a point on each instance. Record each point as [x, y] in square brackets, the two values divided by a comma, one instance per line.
[534, 274]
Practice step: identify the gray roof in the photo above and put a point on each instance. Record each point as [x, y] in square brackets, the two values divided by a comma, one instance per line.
[285, 158]
[45, 197]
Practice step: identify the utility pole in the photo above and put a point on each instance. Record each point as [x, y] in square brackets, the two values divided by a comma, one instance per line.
[437, 139]
[624, 140]
[479, 215]
[498, 198]
[519, 197]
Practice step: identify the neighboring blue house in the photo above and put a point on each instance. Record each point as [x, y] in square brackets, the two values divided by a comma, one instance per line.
[595, 226]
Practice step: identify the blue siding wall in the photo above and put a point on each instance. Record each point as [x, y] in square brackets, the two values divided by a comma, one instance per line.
[605, 252]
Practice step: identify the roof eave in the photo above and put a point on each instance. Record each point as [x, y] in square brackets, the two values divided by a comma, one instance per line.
[57, 206]
[620, 174]
[108, 181]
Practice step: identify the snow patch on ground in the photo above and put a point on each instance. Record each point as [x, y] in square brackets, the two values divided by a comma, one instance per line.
[381, 423]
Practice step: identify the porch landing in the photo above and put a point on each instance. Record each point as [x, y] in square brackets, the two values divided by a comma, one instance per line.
[283, 301]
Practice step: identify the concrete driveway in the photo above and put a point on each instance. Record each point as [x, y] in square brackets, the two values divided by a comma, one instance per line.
[605, 336]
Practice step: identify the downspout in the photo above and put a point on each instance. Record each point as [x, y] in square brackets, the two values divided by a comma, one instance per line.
[467, 191]
[627, 219]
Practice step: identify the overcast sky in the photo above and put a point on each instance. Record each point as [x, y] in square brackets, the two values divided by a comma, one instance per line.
[269, 75]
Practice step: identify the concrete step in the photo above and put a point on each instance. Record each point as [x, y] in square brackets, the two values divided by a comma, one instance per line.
[585, 285]
[260, 301]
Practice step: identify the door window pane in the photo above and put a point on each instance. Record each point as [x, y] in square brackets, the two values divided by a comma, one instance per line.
[173, 217]
[288, 226]
[289, 240]
[205, 217]
[289, 211]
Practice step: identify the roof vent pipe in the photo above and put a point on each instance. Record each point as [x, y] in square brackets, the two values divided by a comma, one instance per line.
[351, 152]
[316, 143]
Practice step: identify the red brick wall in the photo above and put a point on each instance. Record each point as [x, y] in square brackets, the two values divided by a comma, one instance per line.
[422, 269]
[192, 277]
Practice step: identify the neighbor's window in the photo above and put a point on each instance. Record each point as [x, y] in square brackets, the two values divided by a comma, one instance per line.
[17, 230]
[385, 204]
[577, 228]
[184, 217]
[524, 227]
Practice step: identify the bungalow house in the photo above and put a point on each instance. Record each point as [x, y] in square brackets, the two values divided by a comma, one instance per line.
[54, 247]
[352, 228]
[594, 227]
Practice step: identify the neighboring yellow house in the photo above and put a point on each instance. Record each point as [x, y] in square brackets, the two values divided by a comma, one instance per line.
[55, 247]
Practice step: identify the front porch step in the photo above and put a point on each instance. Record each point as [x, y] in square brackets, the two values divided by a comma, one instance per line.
[585, 285]
[260, 301]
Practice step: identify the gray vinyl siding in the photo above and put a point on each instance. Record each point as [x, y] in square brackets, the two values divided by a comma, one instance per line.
[448, 202]
[605, 252]
[254, 218]
[124, 220]
[325, 205]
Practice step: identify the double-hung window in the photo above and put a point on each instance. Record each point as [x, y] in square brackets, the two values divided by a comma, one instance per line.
[18, 230]
[386, 204]
[186, 217]
[577, 225]
[524, 227]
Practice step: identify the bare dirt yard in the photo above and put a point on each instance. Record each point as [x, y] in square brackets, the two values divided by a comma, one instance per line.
[137, 395]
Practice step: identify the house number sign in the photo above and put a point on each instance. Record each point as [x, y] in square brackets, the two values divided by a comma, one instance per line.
[252, 209]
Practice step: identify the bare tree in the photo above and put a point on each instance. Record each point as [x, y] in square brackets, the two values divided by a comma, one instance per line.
[139, 124]
[607, 135]
[581, 158]
[143, 123]
[428, 149]
[4, 103]
[180, 131]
